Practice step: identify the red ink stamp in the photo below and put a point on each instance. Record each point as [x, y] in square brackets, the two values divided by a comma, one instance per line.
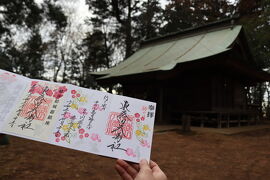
[39, 113]
[114, 125]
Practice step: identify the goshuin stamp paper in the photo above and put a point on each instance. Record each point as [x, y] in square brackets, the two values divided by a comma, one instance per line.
[77, 118]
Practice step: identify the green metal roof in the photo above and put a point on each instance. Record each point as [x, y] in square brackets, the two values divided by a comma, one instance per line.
[165, 55]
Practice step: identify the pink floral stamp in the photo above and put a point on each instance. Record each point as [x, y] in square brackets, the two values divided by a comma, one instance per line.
[82, 111]
[95, 137]
[137, 115]
[49, 92]
[67, 115]
[73, 91]
[57, 134]
[130, 152]
[81, 131]
[144, 143]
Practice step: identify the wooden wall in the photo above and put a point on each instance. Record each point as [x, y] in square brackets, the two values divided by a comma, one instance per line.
[207, 85]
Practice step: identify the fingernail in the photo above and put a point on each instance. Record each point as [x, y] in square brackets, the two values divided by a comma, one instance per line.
[143, 161]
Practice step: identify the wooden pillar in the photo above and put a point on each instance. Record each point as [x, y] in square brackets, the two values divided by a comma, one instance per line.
[228, 120]
[261, 101]
[257, 118]
[186, 123]
[239, 120]
[202, 120]
[219, 120]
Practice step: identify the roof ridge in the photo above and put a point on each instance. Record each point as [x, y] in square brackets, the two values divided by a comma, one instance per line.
[191, 29]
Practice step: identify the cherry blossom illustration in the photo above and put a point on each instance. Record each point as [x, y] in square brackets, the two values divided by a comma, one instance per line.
[130, 152]
[82, 111]
[42, 89]
[142, 129]
[95, 137]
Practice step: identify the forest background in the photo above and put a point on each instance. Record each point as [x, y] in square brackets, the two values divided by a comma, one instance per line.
[59, 41]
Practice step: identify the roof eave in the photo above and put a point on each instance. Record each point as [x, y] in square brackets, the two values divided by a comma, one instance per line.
[223, 22]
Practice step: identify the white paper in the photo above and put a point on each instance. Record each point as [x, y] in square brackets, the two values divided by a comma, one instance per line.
[82, 119]
[11, 88]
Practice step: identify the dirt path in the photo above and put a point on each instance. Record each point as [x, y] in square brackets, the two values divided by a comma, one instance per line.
[198, 156]
[225, 131]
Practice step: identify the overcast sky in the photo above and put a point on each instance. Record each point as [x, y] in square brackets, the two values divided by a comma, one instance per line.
[81, 10]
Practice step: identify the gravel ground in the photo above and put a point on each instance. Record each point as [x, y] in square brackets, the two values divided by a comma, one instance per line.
[194, 156]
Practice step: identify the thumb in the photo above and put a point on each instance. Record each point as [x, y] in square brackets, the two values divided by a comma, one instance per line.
[153, 165]
[144, 166]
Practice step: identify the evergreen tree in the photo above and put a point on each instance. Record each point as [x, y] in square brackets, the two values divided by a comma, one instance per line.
[120, 16]
[15, 13]
[26, 17]
[29, 60]
[150, 20]
[97, 55]
[184, 14]
[255, 17]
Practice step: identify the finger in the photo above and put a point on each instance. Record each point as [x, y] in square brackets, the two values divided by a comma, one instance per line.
[129, 168]
[144, 166]
[154, 166]
[123, 173]
[135, 166]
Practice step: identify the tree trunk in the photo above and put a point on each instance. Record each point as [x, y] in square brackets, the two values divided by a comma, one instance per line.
[128, 32]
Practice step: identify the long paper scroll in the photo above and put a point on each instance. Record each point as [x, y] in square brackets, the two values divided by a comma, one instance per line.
[74, 117]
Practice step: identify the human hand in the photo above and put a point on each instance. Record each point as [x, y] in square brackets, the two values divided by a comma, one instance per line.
[143, 171]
